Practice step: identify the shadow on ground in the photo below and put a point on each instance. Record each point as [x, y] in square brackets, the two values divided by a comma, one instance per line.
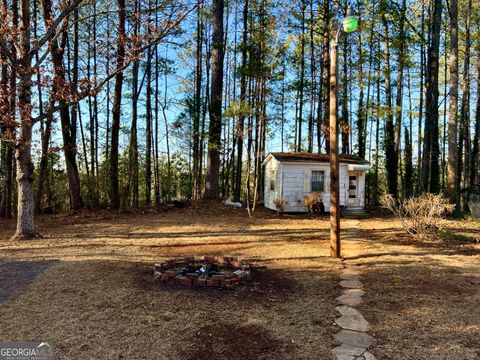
[16, 275]
[117, 308]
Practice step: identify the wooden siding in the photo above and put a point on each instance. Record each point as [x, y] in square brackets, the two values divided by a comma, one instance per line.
[272, 168]
[293, 183]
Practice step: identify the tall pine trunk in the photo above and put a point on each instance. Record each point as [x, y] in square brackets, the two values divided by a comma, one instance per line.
[215, 128]
[400, 77]
[8, 104]
[148, 132]
[463, 170]
[452, 190]
[391, 156]
[241, 116]
[475, 169]
[302, 80]
[133, 182]
[117, 101]
[431, 169]
[197, 179]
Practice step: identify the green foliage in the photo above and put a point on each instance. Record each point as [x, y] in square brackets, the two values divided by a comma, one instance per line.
[55, 194]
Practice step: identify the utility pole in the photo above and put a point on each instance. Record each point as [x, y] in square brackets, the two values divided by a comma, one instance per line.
[350, 24]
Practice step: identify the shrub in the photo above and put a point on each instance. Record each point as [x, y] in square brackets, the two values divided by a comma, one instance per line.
[312, 202]
[280, 204]
[420, 216]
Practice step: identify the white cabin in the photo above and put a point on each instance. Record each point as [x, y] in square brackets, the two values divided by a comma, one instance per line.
[294, 175]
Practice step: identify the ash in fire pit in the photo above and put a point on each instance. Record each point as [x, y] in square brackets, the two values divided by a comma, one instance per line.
[209, 271]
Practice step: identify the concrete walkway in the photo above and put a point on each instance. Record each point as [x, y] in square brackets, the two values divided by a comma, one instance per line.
[353, 335]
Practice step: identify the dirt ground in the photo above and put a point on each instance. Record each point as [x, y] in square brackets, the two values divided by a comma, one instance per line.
[423, 298]
[88, 287]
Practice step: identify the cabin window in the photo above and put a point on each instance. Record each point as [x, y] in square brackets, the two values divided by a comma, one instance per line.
[272, 180]
[318, 181]
[352, 186]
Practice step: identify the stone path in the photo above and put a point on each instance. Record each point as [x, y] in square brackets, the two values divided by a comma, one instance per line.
[353, 336]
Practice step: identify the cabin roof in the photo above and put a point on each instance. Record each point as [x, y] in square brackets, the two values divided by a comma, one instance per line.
[323, 158]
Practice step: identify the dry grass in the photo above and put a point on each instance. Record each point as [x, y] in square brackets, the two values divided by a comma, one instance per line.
[423, 298]
[98, 299]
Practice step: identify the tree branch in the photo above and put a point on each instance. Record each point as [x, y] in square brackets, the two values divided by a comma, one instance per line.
[84, 94]
[52, 28]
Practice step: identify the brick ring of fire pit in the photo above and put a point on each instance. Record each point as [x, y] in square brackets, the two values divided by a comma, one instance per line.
[209, 271]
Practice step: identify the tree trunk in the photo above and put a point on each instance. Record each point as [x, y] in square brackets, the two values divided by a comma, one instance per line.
[69, 141]
[408, 179]
[464, 154]
[362, 117]
[7, 123]
[42, 172]
[452, 191]
[167, 135]
[391, 156]
[117, 100]
[375, 199]
[431, 170]
[475, 169]
[241, 116]
[215, 129]
[197, 180]
[302, 80]
[420, 105]
[132, 184]
[312, 81]
[148, 134]
[399, 96]
[25, 171]
[475, 166]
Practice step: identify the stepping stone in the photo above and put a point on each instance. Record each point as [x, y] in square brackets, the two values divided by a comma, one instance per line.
[351, 319]
[348, 276]
[368, 356]
[351, 284]
[354, 338]
[351, 323]
[354, 292]
[351, 271]
[348, 311]
[349, 300]
[348, 350]
[346, 357]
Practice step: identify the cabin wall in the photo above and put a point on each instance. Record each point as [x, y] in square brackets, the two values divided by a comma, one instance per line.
[293, 181]
[361, 188]
[297, 182]
[272, 170]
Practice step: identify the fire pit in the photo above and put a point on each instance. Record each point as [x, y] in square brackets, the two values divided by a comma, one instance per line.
[212, 271]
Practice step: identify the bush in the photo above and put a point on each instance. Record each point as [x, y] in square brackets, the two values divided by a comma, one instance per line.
[312, 202]
[280, 204]
[419, 216]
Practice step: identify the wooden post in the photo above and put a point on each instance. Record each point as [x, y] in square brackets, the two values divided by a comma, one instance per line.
[334, 165]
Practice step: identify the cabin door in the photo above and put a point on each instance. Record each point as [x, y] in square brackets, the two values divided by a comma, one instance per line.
[352, 194]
